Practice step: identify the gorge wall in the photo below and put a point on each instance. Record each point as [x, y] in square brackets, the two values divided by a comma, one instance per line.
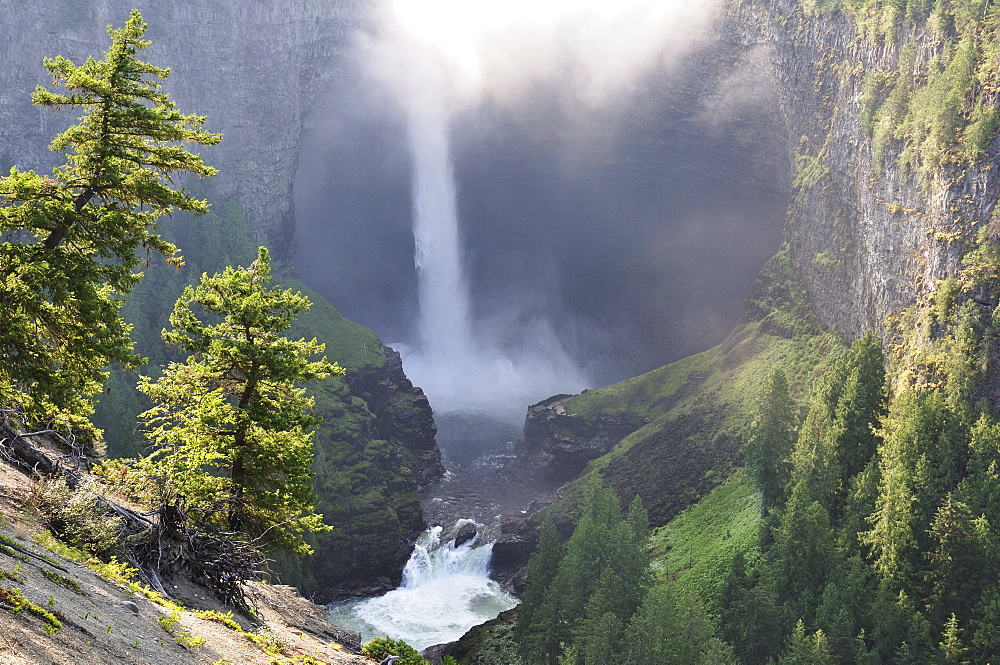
[867, 236]
[256, 69]
[869, 233]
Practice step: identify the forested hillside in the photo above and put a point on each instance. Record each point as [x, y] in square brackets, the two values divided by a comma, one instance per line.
[856, 520]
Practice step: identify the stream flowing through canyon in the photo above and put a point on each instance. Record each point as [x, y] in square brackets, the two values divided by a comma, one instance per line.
[446, 590]
[446, 587]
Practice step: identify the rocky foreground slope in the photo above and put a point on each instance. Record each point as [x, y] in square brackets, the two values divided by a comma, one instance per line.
[55, 610]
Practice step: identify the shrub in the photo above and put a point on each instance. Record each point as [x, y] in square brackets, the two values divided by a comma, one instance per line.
[79, 517]
[381, 647]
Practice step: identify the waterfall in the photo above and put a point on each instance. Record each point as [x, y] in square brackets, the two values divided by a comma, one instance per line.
[443, 295]
[446, 590]
[462, 366]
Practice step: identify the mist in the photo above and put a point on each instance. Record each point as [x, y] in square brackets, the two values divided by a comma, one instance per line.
[608, 203]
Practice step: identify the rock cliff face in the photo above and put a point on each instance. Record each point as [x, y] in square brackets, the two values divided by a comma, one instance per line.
[868, 236]
[255, 68]
[402, 414]
[557, 443]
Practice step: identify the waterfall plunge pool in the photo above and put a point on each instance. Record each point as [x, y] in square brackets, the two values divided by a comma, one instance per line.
[446, 590]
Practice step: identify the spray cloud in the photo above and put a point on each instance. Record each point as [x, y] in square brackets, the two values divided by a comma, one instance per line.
[436, 57]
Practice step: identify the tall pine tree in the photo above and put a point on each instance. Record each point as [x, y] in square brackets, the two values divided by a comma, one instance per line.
[71, 239]
[232, 426]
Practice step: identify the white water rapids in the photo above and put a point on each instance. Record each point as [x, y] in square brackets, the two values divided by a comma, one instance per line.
[446, 590]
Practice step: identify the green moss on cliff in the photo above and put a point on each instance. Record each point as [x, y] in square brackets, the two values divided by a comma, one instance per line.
[697, 407]
[937, 104]
[352, 345]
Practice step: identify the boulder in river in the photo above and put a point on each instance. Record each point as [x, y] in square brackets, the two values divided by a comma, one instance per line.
[465, 533]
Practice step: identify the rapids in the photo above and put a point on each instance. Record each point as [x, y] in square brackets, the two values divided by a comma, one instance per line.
[446, 590]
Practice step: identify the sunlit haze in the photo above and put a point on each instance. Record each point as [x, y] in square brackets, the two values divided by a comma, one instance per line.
[604, 42]
[436, 58]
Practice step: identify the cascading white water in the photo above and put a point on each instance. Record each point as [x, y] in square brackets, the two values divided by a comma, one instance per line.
[444, 322]
[446, 590]
[459, 366]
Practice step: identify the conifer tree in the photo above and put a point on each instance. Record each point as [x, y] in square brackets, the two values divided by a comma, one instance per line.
[604, 572]
[803, 554]
[960, 565]
[952, 650]
[770, 438]
[862, 404]
[805, 649]
[70, 240]
[232, 424]
[536, 630]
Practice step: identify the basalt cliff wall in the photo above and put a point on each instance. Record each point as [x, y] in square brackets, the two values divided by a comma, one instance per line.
[870, 234]
[256, 69]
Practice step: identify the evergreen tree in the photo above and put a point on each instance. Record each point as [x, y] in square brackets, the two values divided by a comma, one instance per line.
[71, 239]
[960, 564]
[604, 572]
[900, 518]
[846, 607]
[803, 555]
[638, 519]
[861, 406]
[600, 634]
[750, 618]
[669, 630]
[838, 438]
[231, 423]
[536, 630]
[717, 652]
[917, 647]
[805, 649]
[770, 437]
[952, 651]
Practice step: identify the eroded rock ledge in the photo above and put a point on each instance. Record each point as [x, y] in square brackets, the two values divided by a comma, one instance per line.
[557, 443]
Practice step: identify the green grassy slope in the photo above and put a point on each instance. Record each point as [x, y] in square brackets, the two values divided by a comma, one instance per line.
[694, 551]
[697, 407]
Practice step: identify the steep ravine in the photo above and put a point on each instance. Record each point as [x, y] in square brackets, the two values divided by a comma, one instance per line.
[865, 238]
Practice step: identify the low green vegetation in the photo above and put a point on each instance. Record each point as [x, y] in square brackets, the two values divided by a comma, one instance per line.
[693, 553]
[936, 105]
[63, 581]
[17, 603]
[380, 647]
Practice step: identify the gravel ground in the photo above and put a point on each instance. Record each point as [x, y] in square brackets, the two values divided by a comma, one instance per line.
[104, 624]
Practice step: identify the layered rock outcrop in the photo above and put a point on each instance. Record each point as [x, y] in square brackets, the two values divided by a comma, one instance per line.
[869, 236]
[403, 416]
[557, 444]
